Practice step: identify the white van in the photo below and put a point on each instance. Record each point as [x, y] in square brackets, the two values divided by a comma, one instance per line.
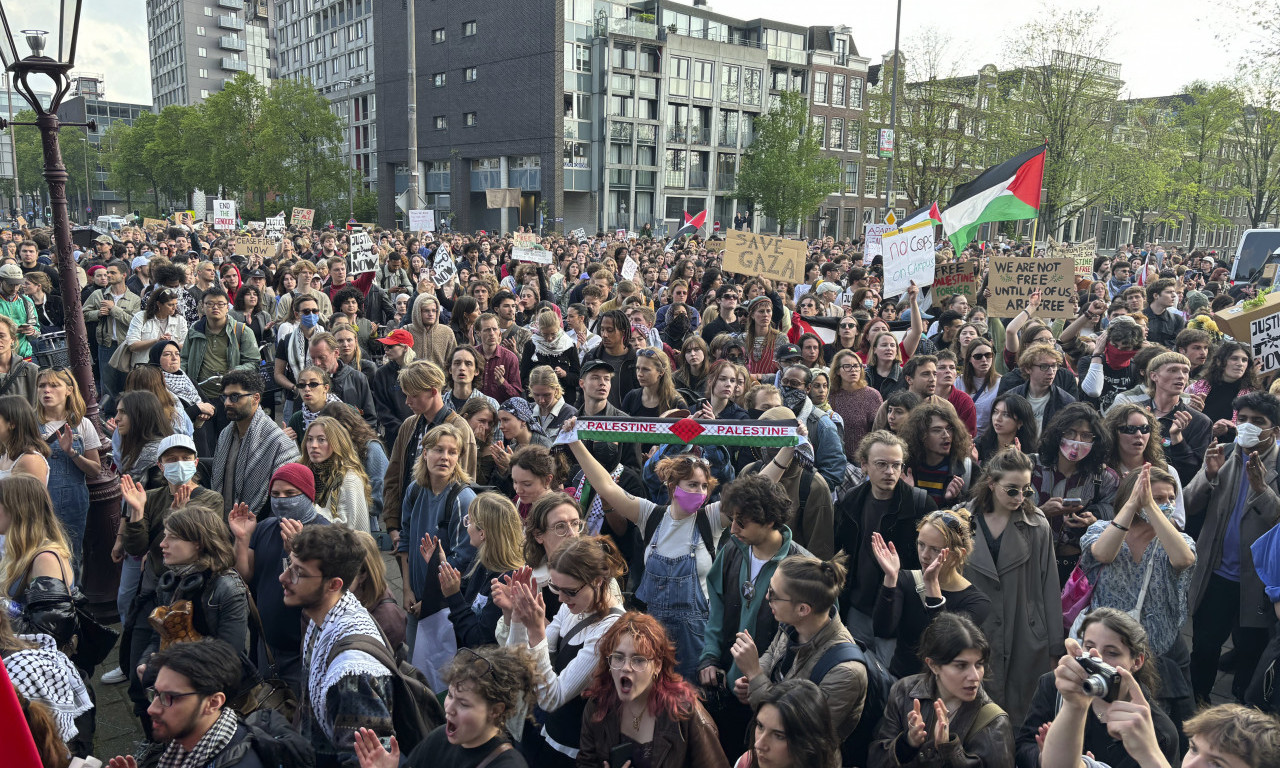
[1257, 248]
[110, 223]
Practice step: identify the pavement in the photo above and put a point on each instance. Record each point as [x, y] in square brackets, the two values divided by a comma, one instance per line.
[119, 732]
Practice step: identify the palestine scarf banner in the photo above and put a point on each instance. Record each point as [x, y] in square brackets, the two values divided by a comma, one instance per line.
[685, 431]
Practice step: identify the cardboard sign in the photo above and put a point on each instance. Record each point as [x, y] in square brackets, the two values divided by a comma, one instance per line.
[444, 266]
[1236, 321]
[362, 258]
[629, 268]
[873, 241]
[579, 234]
[22, 222]
[532, 255]
[525, 240]
[302, 217]
[224, 214]
[148, 223]
[422, 220]
[255, 246]
[1264, 335]
[746, 253]
[275, 228]
[1014, 278]
[908, 258]
[955, 280]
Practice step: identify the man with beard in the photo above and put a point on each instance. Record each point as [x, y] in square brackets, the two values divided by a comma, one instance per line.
[349, 690]
[192, 717]
[828, 449]
[250, 448]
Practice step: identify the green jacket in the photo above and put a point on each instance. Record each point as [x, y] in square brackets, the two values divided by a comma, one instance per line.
[110, 334]
[242, 352]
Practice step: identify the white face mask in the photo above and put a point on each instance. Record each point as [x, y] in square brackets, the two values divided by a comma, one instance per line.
[1248, 435]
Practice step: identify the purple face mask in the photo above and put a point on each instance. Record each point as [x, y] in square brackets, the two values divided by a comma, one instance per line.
[688, 501]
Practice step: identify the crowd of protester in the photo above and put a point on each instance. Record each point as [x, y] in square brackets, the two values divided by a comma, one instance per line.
[999, 541]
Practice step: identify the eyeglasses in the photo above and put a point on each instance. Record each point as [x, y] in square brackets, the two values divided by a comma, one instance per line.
[772, 597]
[1012, 491]
[291, 573]
[940, 431]
[309, 384]
[308, 311]
[982, 355]
[623, 661]
[567, 592]
[467, 520]
[848, 367]
[566, 527]
[1134, 429]
[1047, 367]
[647, 351]
[694, 459]
[215, 305]
[235, 397]
[887, 466]
[167, 697]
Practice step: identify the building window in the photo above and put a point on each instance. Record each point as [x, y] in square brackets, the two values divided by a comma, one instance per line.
[855, 92]
[837, 133]
[820, 84]
[472, 73]
[204, 73]
[624, 56]
[820, 125]
[442, 122]
[469, 119]
[208, 11]
[204, 94]
[837, 90]
[754, 87]
[872, 186]
[678, 71]
[199, 30]
[851, 178]
[437, 35]
[702, 74]
[729, 76]
[468, 28]
[855, 137]
[438, 79]
[202, 51]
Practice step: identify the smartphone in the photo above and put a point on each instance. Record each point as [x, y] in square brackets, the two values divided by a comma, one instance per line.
[1073, 502]
[620, 754]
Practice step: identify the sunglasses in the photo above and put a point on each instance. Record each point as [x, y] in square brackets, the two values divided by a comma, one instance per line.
[981, 355]
[1134, 429]
[565, 590]
[1012, 491]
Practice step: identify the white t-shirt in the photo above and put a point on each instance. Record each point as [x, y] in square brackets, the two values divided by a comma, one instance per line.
[88, 435]
[1038, 404]
[674, 537]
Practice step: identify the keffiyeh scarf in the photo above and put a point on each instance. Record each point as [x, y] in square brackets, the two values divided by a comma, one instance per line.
[46, 675]
[211, 743]
[309, 415]
[182, 387]
[552, 347]
[595, 515]
[347, 617]
[520, 408]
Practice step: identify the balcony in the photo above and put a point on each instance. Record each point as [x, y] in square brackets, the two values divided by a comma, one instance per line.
[673, 179]
[646, 134]
[726, 182]
[230, 22]
[235, 65]
[728, 138]
[677, 134]
[789, 55]
[633, 28]
[697, 179]
[231, 43]
[700, 135]
[619, 131]
[234, 5]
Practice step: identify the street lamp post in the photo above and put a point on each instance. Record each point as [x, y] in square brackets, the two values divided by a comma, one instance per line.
[23, 68]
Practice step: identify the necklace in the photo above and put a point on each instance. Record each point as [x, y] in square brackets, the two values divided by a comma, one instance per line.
[635, 722]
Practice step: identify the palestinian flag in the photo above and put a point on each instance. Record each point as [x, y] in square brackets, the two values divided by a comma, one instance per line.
[1006, 192]
[691, 226]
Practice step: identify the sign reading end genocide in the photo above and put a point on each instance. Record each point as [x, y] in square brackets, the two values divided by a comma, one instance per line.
[747, 253]
[1014, 278]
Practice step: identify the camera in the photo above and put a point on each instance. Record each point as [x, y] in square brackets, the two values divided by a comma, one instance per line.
[1103, 681]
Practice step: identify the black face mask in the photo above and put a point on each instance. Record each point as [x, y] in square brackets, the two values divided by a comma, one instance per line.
[755, 413]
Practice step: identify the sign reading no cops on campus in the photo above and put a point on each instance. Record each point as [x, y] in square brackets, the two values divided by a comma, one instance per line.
[908, 258]
[747, 253]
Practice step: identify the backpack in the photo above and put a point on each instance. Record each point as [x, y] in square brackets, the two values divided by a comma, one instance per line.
[854, 749]
[415, 710]
[272, 740]
[450, 502]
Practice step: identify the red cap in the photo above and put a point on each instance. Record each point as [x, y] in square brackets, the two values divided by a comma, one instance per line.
[299, 477]
[398, 336]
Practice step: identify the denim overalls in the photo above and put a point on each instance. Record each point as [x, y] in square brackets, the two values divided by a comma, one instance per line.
[673, 593]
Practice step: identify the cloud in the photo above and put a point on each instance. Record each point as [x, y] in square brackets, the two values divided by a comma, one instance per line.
[113, 42]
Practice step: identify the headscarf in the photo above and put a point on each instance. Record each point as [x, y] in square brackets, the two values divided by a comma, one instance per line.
[520, 408]
[177, 383]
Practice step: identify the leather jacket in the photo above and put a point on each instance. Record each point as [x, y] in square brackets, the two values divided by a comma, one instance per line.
[220, 603]
[694, 741]
[990, 747]
[48, 607]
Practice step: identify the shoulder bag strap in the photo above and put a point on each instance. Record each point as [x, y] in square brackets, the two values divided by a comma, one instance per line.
[1142, 593]
[587, 622]
[494, 755]
[989, 712]
[917, 577]
[257, 623]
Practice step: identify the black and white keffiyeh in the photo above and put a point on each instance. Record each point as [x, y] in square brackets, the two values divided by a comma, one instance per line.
[46, 675]
[210, 745]
[347, 617]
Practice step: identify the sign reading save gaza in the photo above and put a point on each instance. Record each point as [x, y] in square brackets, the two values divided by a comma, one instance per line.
[747, 253]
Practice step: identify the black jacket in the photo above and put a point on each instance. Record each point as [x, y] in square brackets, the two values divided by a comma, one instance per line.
[352, 386]
[220, 603]
[907, 506]
[388, 399]
[567, 361]
[624, 379]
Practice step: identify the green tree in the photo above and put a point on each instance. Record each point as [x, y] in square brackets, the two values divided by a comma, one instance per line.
[165, 151]
[307, 136]
[1257, 137]
[785, 171]
[1203, 177]
[1063, 91]
[30, 155]
[1150, 147]
[124, 147]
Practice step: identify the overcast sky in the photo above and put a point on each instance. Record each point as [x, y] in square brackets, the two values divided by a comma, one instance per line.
[1161, 45]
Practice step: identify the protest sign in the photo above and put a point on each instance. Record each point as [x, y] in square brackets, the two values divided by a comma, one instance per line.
[147, 223]
[444, 267]
[255, 246]
[1014, 278]
[579, 234]
[631, 235]
[22, 222]
[873, 240]
[1264, 335]
[275, 227]
[224, 214]
[502, 198]
[908, 257]
[422, 220]
[629, 267]
[955, 280]
[747, 253]
[362, 257]
[524, 240]
[534, 255]
[302, 217]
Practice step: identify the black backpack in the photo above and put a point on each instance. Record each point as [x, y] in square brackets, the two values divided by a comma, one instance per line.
[274, 742]
[415, 710]
[854, 749]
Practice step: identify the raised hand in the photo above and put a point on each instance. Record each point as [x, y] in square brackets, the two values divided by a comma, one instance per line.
[450, 580]
[886, 555]
[954, 488]
[1130, 721]
[934, 570]
[242, 521]
[427, 548]
[1214, 458]
[134, 495]
[66, 441]
[127, 761]
[942, 725]
[500, 594]
[916, 731]
[370, 752]
[288, 529]
[181, 497]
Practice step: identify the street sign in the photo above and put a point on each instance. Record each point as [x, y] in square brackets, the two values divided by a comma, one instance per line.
[886, 142]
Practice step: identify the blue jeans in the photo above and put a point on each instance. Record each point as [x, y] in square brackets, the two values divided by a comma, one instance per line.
[110, 381]
[130, 576]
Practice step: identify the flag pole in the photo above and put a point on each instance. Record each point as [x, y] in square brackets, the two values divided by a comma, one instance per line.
[1034, 223]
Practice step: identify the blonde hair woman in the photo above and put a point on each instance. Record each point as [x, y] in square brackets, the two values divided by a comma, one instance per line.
[494, 529]
[35, 548]
[657, 392]
[342, 487]
[73, 445]
[553, 347]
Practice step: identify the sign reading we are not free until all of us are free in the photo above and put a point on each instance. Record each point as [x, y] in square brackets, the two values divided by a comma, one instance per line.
[1014, 278]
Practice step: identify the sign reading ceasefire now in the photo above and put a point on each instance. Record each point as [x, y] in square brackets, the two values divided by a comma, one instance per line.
[747, 253]
[1015, 278]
